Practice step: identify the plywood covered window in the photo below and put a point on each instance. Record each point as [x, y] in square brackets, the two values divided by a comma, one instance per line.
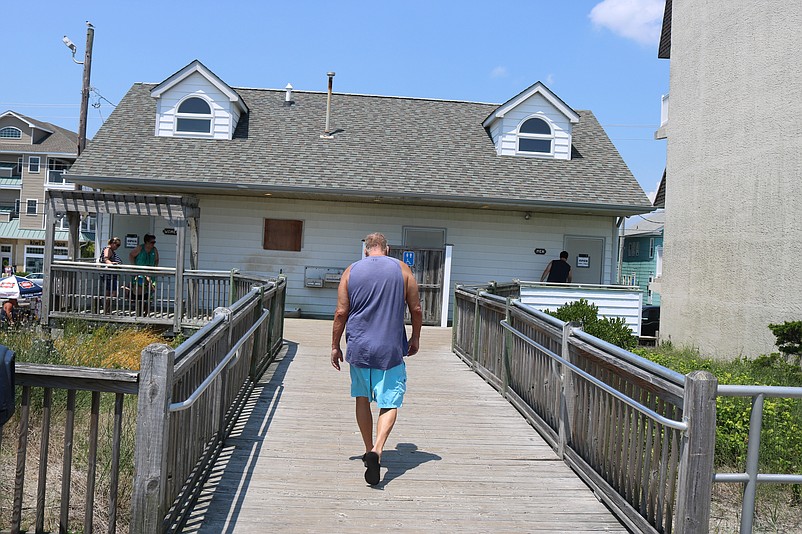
[283, 234]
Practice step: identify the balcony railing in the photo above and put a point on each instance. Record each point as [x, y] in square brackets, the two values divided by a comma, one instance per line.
[124, 293]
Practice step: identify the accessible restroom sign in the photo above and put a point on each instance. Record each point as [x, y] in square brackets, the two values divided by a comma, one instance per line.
[409, 257]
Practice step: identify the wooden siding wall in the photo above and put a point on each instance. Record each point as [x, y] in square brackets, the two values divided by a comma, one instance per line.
[488, 245]
[224, 119]
[33, 187]
[507, 143]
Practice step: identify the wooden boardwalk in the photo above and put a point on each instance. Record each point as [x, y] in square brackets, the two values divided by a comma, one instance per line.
[460, 458]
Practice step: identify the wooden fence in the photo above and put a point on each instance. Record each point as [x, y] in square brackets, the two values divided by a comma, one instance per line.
[641, 435]
[150, 436]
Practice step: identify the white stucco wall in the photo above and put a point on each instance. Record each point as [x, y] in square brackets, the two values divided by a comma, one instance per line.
[488, 245]
[733, 234]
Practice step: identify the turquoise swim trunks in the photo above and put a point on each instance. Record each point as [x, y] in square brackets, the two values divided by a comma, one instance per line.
[385, 388]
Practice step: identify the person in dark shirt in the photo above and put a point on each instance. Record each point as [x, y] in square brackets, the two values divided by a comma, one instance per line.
[558, 270]
[371, 299]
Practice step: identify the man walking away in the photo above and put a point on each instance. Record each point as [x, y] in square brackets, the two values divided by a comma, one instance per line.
[370, 309]
[558, 270]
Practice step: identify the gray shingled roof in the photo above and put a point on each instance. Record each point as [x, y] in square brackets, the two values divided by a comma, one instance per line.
[61, 141]
[414, 150]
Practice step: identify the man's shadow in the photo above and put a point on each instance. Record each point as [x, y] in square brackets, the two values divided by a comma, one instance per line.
[398, 461]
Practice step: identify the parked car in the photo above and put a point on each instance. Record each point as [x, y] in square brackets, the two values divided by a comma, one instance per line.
[650, 320]
[37, 278]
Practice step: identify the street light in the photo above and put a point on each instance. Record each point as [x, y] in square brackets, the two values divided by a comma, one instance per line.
[87, 63]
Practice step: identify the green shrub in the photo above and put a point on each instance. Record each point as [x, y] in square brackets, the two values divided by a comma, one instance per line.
[789, 338]
[611, 330]
[781, 437]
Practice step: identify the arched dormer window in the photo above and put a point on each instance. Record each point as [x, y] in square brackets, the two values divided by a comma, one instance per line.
[194, 116]
[9, 132]
[535, 136]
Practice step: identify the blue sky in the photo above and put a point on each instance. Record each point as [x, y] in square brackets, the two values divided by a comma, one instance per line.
[594, 54]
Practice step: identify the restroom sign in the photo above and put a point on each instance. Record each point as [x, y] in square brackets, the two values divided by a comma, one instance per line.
[409, 257]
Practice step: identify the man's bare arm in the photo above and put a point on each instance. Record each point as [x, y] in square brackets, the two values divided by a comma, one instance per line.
[340, 317]
[412, 296]
[546, 272]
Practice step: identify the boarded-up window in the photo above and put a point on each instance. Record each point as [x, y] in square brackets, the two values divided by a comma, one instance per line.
[283, 234]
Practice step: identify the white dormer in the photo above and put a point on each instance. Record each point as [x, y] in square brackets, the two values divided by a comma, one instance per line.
[535, 123]
[195, 103]
[16, 127]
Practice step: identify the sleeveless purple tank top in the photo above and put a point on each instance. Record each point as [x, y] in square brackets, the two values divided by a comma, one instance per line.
[375, 331]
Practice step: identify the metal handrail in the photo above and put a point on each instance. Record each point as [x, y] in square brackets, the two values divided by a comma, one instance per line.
[750, 478]
[678, 425]
[189, 401]
[647, 365]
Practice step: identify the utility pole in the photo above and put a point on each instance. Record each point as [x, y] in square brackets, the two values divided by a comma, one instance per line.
[87, 63]
[90, 38]
[74, 218]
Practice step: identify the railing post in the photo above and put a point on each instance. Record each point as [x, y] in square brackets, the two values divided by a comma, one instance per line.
[217, 395]
[752, 457]
[152, 438]
[695, 483]
[505, 355]
[567, 396]
[279, 302]
[258, 339]
[232, 293]
[476, 325]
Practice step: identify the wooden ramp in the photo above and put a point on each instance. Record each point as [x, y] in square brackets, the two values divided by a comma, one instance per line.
[460, 458]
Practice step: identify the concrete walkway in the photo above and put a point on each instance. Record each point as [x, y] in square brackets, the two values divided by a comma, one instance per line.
[460, 459]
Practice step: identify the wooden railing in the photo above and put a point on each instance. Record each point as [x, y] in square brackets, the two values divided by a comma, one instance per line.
[95, 406]
[124, 293]
[641, 435]
[144, 440]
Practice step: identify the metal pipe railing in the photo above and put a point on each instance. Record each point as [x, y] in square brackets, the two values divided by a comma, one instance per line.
[751, 477]
[679, 425]
[230, 357]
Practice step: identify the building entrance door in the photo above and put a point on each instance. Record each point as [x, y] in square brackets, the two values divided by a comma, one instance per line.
[428, 266]
[586, 256]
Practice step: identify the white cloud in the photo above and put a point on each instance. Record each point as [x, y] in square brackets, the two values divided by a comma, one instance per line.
[499, 72]
[639, 20]
[549, 79]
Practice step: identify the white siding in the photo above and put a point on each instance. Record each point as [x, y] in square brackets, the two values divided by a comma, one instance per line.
[488, 245]
[225, 116]
[613, 302]
[504, 131]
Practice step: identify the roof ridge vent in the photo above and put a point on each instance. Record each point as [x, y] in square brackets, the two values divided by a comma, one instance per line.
[288, 95]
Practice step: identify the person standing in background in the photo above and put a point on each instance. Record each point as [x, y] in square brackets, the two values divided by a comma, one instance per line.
[558, 270]
[144, 255]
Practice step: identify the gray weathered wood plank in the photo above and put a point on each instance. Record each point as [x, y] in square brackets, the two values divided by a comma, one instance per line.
[460, 457]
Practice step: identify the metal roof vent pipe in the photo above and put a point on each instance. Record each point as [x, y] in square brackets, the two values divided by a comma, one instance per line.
[288, 95]
[327, 131]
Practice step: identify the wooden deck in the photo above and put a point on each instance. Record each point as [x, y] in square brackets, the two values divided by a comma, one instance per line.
[460, 458]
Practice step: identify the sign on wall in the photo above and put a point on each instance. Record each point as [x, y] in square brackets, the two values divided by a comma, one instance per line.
[131, 240]
[409, 257]
[583, 260]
